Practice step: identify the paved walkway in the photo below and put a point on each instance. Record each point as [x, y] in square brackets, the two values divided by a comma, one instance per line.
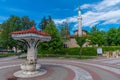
[66, 69]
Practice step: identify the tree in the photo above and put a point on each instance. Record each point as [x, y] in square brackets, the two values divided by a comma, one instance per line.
[97, 37]
[112, 36]
[0, 26]
[9, 26]
[14, 23]
[0, 35]
[117, 42]
[56, 43]
[49, 20]
[80, 41]
[26, 23]
[65, 32]
[43, 23]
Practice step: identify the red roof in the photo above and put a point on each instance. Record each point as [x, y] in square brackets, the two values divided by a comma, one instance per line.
[31, 30]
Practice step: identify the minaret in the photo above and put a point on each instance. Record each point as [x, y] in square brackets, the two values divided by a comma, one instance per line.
[79, 23]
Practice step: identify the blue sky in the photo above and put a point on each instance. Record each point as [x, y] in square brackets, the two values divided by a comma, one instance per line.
[103, 13]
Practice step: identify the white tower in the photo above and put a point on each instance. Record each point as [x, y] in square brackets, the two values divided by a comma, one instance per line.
[79, 23]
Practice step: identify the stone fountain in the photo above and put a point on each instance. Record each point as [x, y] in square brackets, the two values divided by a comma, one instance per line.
[31, 38]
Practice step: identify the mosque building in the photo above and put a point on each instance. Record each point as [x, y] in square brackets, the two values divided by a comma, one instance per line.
[71, 42]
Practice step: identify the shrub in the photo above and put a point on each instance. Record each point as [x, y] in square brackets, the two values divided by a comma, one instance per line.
[111, 48]
[89, 51]
[86, 51]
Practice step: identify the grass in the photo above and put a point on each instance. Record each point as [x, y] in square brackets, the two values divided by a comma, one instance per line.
[65, 56]
[61, 56]
[6, 55]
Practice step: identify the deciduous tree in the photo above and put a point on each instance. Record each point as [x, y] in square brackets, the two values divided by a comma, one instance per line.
[80, 41]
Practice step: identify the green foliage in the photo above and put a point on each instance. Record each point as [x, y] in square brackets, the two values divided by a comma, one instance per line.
[89, 51]
[97, 37]
[45, 22]
[26, 23]
[6, 55]
[117, 41]
[14, 23]
[9, 26]
[65, 31]
[111, 48]
[109, 38]
[71, 51]
[65, 56]
[56, 43]
[81, 40]
[112, 36]
[86, 51]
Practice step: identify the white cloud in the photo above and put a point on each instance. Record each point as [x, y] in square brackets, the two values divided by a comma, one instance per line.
[106, 11]
[86, 6]
[102, 6]
[69, 20]
[59, 21]
[92, 18]
[106, 4]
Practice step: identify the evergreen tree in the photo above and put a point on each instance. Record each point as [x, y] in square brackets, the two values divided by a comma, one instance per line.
[49, 19]
[65, 32]
[43, 23]
[56, 43]
[26, 23]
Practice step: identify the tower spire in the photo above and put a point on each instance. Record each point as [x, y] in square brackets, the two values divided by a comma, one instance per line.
[79, 23]
[79, 11]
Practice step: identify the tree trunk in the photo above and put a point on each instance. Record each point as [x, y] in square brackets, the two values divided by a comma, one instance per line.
[80, 52]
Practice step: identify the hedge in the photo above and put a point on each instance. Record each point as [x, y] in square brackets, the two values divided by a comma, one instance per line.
[86, 51]
[111, 48]
[89, 51]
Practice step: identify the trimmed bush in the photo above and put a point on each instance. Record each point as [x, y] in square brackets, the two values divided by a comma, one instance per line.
[71, 51]
[86, 51]
[111, 48]
[89, 51]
